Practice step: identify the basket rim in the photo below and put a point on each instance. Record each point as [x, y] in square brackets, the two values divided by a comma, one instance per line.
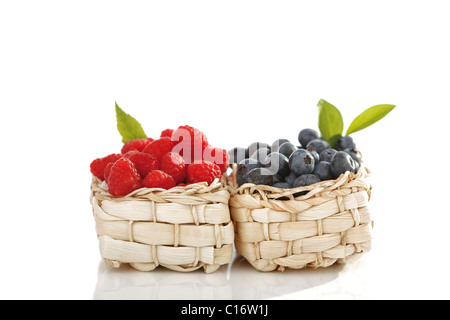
[274, 193]
[99, 189]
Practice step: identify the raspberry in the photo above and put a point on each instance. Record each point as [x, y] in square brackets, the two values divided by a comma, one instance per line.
[173, 164]
[98, 165]
[158, 179]
[217, 156]
[160, 147]
[203, 171]
[197, 144]
[167, 133]
[143, 162]
[138, 145]
[107, 171]
[124, 178]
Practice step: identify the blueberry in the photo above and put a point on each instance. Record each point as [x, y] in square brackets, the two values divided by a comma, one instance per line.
[314, 154]
[290, 178]
[318, 144]
[261, 155]
[244, 167]
[278, 163]
[322, 170]
[327, 155]
[341, 163]
[255, 146]
[306, 136]
[301, 162]
[261, 176]
[357, 166]
[277, 143]
[356, 155]
[287, 149]
[345, 142]
[237, 155]
[276, 178]
[306, 180]
[282, 185]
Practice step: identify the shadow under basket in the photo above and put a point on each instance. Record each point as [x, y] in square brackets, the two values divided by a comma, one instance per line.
[182, 229]
[313, 226]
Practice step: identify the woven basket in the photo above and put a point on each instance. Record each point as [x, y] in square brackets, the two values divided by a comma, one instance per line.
[313, 226]
[182, 229]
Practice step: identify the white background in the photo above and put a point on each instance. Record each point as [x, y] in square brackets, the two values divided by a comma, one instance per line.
[240, 71]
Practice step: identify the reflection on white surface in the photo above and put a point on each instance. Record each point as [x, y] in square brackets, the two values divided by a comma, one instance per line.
[236, 281]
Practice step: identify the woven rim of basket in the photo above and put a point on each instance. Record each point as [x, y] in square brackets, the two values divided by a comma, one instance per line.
[347, 180]
[218, 191]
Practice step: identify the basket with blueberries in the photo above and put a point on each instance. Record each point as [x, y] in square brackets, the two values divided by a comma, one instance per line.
[304, 203]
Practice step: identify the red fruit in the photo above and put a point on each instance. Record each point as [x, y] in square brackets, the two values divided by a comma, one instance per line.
[167, 133]
[143, 162]
[173, 164]
[107, 171]
[203, 171]
[98, 165]
[217, 156]
[123, 178]
[158, 179]
[160, 147]
[135, 145]
[196, 141]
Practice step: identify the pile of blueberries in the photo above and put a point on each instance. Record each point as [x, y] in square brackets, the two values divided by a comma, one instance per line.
[285, 165]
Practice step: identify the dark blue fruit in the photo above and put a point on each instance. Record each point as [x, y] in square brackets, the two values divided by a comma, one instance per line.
[345, 142]
[290, 178]
[341, 163]
[255, 146]
[357, 166]
[261, 155]
[287, 149]
[354, 154]
[306, 180]
[301, 162]
[327, 155]
[278, 163]
[318, 144]
[276, 178]
[315, 155]
[277, 143]
[282, 185]
[244, 167]
[306, 136]
[237, 155]
[322, 170]
[260, 176]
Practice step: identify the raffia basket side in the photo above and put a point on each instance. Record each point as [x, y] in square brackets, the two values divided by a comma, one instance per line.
[182, 229]
[279, 229]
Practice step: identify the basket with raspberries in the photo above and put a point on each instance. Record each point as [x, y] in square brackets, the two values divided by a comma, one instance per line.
[305, 204]
[163, 201]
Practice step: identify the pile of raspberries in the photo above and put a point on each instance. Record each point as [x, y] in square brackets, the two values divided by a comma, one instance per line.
[161, 163]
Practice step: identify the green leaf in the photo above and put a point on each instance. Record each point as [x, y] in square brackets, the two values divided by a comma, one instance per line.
[129, 128]
[369, 117]
[331, 124]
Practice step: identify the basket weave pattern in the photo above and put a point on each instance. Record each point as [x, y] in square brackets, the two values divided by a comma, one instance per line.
[183, 229]
[278, 229]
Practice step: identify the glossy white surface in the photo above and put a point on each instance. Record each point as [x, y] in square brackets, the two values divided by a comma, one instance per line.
[238, 281]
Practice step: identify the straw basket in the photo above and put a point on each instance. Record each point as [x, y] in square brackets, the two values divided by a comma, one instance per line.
[314, 226]
[183, 229]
